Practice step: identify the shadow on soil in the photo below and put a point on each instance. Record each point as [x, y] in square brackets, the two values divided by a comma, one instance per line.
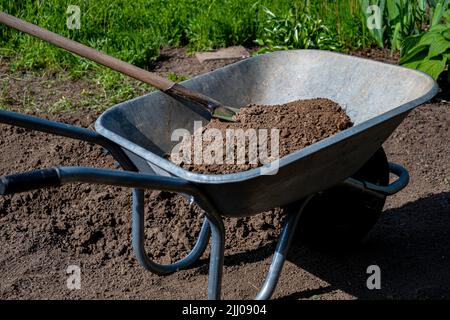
[410, 244]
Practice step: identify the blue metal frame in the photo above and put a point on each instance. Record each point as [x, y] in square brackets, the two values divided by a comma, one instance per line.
[281, 251]
[138, 237]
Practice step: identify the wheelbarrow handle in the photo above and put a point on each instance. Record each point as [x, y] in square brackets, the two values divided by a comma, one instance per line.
[55, 177]
[400, 183]
[22, 182]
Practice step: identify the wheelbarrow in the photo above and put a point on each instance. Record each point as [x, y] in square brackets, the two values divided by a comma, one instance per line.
[340, 182]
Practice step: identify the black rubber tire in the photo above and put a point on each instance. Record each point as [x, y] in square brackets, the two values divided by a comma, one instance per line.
[339, 218]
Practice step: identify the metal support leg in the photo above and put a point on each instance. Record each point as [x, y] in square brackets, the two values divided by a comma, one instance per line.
[216, 261]
[212, 225]
[138, 237]
[283, 245]
[217, 246]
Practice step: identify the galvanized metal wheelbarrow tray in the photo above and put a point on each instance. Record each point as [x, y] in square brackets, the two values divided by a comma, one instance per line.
[376, 96]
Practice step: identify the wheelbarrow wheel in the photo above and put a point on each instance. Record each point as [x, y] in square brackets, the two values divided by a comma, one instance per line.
[339, 218]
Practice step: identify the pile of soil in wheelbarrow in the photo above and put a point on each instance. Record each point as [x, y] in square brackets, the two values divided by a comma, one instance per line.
[299, 123]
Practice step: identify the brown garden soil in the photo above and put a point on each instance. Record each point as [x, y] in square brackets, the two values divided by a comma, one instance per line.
[43, 232]
[299, 123]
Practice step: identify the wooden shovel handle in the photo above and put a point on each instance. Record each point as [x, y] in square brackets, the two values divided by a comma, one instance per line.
[153, 79]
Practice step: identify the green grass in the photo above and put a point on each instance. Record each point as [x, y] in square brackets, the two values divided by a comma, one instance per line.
[135, 30]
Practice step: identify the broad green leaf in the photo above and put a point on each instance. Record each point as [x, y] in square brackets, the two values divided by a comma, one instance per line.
[434, 67]
[415, 61]
[438, 47]
[447, 16]
[412, 54]
[430, 37]
[446, 34]
[410, 42]
[438, 28]
[393, 10]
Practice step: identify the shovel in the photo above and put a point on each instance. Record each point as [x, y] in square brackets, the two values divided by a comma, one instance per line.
[175, 90]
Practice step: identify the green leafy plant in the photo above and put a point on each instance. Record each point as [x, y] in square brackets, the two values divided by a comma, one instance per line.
[405, 18]
[135, 31]
[399, 19]
[295, 30]
[430, 51]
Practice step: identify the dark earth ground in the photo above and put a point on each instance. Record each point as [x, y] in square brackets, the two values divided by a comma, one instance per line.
[43, 232]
